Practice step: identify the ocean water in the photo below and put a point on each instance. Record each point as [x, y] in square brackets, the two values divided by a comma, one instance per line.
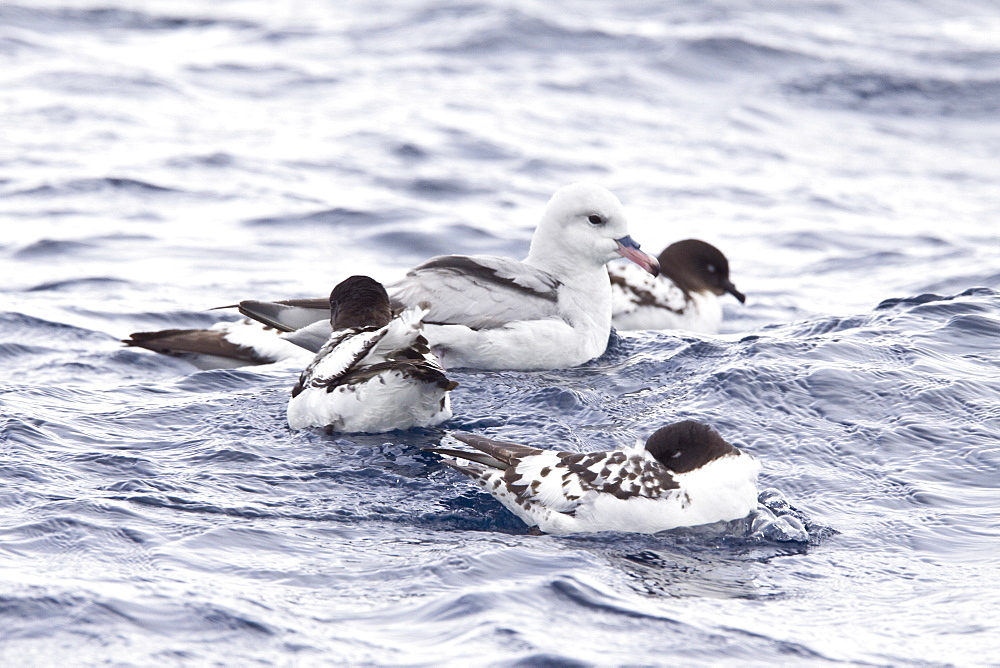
[159, 159]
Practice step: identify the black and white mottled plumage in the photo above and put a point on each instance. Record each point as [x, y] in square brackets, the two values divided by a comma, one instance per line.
[375, 373]
[552, 310]
[686, 474]
[685, 295]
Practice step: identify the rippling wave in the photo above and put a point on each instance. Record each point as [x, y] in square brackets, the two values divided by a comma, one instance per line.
[167, 158]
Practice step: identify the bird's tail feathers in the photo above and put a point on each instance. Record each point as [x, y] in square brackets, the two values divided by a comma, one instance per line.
[477, 457]
[503, 451]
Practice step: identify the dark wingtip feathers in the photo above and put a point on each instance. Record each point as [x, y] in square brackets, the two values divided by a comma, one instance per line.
[477, 457]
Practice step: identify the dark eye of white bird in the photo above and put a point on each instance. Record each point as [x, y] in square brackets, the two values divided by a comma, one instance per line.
[595, 219]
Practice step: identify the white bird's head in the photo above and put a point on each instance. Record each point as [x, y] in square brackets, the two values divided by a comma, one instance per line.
[583, 227]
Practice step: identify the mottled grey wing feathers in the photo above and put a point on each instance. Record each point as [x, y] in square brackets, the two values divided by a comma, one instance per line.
[500, 272]
[478, 292]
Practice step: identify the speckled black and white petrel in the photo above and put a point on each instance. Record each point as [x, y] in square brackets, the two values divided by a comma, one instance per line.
[685, 475]
[550, 311]
[375, 373]
[685, 295]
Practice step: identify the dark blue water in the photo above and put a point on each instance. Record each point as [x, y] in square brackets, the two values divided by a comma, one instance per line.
[162, 158]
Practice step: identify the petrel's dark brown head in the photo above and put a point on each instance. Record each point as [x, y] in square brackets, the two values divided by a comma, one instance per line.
[695, 265]
[359, 301]
[686, 446]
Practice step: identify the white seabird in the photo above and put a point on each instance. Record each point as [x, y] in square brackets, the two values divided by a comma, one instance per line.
[694, 274]
[550, 311]
[685, 475]
[375, 373]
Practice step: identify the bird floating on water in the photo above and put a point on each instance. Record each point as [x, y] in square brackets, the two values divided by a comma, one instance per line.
[376, 372]
[685, 296]
[550, 311]
[685, 474]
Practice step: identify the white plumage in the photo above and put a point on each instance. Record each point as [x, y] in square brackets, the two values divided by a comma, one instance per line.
[553, 310]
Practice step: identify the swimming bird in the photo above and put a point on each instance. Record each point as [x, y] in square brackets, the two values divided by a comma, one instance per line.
[375, 373]
[550, 311]
[686, 474]
[684, 296]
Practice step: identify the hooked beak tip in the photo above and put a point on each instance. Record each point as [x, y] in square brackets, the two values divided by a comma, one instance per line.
[628, 248]
[731, 289]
